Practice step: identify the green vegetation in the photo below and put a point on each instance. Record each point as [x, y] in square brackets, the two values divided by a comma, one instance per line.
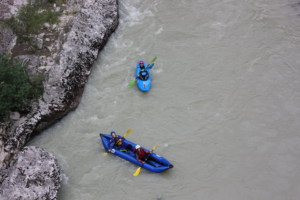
[29, 21]
[17, 88]
[66, 28]
[8, 55]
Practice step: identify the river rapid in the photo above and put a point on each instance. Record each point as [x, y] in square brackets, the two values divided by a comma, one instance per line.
[224, 104]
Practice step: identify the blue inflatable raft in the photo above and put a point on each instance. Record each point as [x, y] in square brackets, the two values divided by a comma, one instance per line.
[131, 157]
[144, 83]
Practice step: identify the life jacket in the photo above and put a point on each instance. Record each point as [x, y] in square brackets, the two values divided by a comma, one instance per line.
[142, 68]
[117, 140]
[142, 153]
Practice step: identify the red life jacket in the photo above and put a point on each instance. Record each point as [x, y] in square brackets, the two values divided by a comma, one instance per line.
[142, 153]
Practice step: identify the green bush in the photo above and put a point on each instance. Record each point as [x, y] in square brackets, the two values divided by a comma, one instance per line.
[17, 89]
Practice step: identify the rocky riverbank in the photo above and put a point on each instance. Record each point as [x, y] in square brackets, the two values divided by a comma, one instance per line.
[32, 174]
[69, 56]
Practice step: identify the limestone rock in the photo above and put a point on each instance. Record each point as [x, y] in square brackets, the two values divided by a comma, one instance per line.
[10, 7]
[7, 40]
[49, 48]
[54, 26]
[38, 42]
[46, 25]
[50, 59]
[44, 68]
[41, 35]
[14, 116]
[43, 58]
[32, 62]
[32, 174]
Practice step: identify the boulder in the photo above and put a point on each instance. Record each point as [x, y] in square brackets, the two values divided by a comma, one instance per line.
[32, 174]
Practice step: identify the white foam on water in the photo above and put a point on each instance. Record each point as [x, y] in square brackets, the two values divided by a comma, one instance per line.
[141, 53]
[157, 71]
[94, 118]
[135, 14]
[159, 31]
[65, 179]
[218, 25]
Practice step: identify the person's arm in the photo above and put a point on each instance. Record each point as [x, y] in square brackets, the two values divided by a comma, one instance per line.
[110, 141]
[148, 152]
[150, 67]
[122, 138]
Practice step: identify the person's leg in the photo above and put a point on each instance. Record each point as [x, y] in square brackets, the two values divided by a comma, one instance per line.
[155, 160]
[129, 147]
[124, 150]
[149, 162]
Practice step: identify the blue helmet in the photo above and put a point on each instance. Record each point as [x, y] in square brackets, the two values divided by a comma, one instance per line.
[112, 132]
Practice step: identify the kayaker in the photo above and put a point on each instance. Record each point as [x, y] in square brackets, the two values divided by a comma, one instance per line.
[117, 140]
[143, 73]
[141, 155]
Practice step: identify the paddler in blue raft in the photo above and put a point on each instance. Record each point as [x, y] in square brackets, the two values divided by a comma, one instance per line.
[117, 140]
[145, 156]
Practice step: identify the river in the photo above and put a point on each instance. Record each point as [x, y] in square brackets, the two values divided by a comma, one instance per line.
[224, 104]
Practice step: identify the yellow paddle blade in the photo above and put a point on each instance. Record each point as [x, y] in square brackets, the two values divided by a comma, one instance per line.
[155, 147]
[137, 171]
[127, 132]
[105, 154]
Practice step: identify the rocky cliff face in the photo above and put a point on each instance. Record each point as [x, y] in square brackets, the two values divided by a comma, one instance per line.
[89, 31]
[76, 51]
[32, 174]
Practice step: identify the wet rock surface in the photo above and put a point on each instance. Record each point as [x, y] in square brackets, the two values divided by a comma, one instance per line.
[32, 174]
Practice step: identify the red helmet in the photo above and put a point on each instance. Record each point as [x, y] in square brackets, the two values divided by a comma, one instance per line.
[141, 62]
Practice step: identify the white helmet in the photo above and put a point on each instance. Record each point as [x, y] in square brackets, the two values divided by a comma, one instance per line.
[137, 146]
